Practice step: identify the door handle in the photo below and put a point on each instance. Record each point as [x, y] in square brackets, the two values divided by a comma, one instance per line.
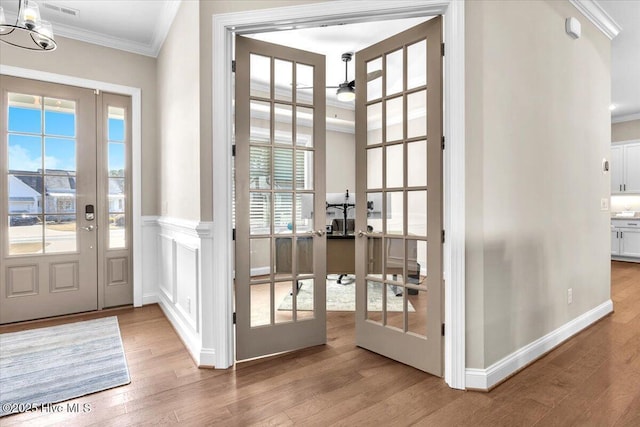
[318, 233]
[362, 233]
[89, 228]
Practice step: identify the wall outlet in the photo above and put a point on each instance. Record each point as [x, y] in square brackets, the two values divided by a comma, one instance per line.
[188, 305]
[569, 296]
[604, 204]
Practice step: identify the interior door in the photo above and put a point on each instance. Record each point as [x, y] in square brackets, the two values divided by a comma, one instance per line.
[48, 181]
[280, 199]
[399, 198]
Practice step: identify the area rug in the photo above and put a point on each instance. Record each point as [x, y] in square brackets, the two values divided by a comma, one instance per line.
[342, 298]
[50, 365]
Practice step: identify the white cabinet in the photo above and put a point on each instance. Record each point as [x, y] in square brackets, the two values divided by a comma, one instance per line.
[615, 242]
[625, 239]
[625, 168]
[630, 243]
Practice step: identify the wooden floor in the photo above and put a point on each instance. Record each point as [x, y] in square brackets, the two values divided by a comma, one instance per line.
[591, 380]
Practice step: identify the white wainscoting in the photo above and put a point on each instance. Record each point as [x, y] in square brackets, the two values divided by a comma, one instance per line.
[484, 379]
[174, 250]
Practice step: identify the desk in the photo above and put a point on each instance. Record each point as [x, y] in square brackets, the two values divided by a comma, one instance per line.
[341, 254]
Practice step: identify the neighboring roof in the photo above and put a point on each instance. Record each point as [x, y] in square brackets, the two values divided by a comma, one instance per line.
[62, 182]
[21, 199]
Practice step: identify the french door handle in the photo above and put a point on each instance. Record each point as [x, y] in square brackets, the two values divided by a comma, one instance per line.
[318, 233]
[362, 233]
[89, 228]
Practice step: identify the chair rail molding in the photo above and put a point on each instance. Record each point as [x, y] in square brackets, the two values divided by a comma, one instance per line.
[225, 27]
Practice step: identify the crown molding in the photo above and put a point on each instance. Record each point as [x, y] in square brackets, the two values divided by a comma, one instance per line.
[152, 49]
[625, 118]
[597, 15]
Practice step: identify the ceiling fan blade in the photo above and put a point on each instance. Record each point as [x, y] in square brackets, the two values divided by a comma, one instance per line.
[304, 87]
[333, 87]
[374, 75]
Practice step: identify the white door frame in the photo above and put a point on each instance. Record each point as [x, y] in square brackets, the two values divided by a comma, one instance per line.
[136, 151]
[225, 26]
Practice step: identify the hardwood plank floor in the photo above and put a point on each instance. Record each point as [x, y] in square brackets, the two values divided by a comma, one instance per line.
[592, 379]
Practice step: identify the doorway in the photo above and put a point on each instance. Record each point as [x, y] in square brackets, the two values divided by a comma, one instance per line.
[66, 165]
[400, 229]
[225, 27]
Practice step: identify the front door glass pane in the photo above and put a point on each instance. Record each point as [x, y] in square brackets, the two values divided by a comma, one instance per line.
[42, 177]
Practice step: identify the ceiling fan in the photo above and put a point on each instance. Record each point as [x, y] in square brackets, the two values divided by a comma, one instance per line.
[346, 90]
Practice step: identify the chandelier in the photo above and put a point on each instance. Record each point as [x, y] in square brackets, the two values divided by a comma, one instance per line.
[29, 31]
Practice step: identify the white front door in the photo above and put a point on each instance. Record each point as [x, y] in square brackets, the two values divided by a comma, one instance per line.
[399, 197]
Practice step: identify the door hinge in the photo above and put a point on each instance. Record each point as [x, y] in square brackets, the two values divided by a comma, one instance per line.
[442, 48]
[233, 234]
[234, 318]
[233, 66]
[96, 91]
[442, 327]
[443, 142]
[233, 150]
[442, 236]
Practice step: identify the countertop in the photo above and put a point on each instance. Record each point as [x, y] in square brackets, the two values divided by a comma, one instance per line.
[636, 216]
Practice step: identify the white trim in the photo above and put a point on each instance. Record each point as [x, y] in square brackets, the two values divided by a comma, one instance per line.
[484, 379]
[625, 118]
[224, 26]
[136, 151]
[598, 16]
[161, 30]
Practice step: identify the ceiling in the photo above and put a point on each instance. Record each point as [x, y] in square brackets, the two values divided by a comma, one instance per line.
[140, 26]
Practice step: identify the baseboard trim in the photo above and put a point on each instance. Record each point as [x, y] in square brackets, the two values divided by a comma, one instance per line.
[188, 337]
[485, 379]
[150, 299]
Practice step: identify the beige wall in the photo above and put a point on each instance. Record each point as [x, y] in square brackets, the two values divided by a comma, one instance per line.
[625, 131]
[89, 61]
[178, 116]
[535, 142]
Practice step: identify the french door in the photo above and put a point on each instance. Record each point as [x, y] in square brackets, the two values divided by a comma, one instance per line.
[399, 198]
[280, 199]
[65, 175]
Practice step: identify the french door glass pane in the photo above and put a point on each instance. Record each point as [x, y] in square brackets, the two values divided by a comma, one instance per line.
[260, 258]
[304, 255]
[394, 260]
[394, 69]
[260, 213]
[395, 213]
[260, 76]
[25, 234]
[374, 168]
[260, 132]
[60, 156]
[304, 127]
[304, 83]
[283, 125]
[374, 301]
[394, 119]
[260, 168]
[395, 306]
[117, 159]
[260, 304]
[283, 76]
[304, 212]
[116, 130]
[283, 213]
[374, 123]
[417, 164]
[283, 300]
[417, 114]
[282, 169]
[417, 213]
[60, 234]
[395, 165]
[417, 64]
[374, 85]
[305, 300]
[304, 170]
[374, 257]
[374, 212]
[417, 318]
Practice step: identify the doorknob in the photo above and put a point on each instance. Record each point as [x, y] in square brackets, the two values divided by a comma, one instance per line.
[318, 233]
[362, 233]
[89, 228]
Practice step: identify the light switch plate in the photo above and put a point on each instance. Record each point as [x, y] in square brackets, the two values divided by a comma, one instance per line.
[604, 204]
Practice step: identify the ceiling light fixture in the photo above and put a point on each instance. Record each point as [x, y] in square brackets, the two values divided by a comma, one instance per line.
[346, 91]
[29, 31]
